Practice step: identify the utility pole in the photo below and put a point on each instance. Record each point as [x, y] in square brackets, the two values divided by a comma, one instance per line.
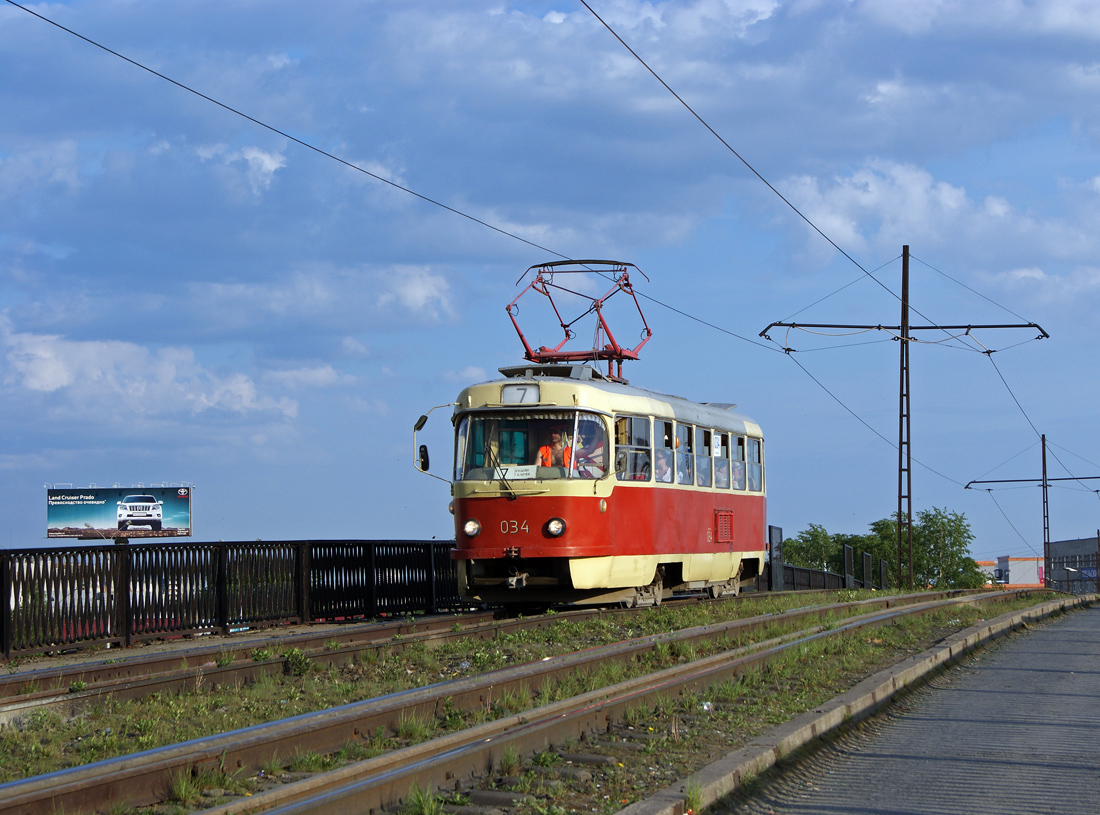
[905, 457]
[905, 453]
[1046, 519]
[1044, 482]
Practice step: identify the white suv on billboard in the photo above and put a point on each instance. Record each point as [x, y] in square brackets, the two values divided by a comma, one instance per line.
[140, 510]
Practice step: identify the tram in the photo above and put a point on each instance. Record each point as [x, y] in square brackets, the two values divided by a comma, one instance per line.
[571, 486]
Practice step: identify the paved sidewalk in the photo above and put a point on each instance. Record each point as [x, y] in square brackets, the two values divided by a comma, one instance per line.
[1015, 729]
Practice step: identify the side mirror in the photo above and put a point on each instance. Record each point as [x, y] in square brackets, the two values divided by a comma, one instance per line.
[423, 456]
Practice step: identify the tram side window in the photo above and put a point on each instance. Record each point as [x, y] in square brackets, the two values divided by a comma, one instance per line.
[632, 448]
[738, 467]
[722, 461]
[684, 458]
[756, 465]
[663, 463]
[703, 456]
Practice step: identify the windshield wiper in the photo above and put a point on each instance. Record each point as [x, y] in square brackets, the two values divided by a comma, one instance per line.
[497, 466]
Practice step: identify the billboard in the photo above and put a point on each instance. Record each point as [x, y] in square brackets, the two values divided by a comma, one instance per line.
[106, 513]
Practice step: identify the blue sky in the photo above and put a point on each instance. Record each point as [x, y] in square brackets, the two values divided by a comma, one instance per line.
[188, 297]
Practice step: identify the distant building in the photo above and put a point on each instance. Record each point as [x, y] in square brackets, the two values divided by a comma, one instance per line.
[1072, 568]
[1073, 565]
[1019, 572]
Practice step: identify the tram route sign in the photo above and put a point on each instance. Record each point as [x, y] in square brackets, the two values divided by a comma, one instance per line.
[107, 513]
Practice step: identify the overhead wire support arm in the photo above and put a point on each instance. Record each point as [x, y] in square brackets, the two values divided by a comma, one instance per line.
[1033, 480]
[1043, 335]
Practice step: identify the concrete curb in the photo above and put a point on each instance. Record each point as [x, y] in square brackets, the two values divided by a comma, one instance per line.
[873, 693]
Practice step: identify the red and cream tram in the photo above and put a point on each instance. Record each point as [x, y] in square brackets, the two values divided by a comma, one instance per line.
[571, 487]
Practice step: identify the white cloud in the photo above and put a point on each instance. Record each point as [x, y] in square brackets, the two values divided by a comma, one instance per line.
[1078, 18]
[353, 347]
[884, 204]
[471, 373]
[320, 376]
[48, 165]
[125, 378]
[416, 289]
[261, 165]
[1046, 288]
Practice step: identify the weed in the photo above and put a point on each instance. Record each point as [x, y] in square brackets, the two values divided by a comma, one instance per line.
[422, 802]
[547, 758]
[508, 702]
[223, 659]
[451, 718]
[297, 663]
[633, 715]
[184, 789]
[413, 728]
[332, 645]
[510, 761]
[261, 654]
[77, 685]
[537, 807]
[273, 766]
[308, 761]
[693, 798]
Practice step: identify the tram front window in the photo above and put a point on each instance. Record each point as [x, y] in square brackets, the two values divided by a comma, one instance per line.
[529, 446]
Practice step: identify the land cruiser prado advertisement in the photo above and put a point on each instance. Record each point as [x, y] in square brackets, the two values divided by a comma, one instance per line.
[108, 513]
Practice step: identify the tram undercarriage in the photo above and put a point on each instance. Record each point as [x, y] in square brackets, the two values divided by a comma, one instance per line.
[546, 581]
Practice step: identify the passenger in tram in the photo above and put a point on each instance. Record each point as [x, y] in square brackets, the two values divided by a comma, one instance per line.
[590, 450]
[738, 475]
[554, 454]
[664, 466]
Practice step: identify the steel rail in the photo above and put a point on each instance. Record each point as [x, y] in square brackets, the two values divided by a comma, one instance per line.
[143, 778]
[162, 673]
[68, 689]
[131, 665]
[382, 782]
[70, 692]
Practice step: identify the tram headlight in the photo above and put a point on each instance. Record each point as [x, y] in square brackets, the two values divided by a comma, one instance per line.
[472, 528]
[555, 527]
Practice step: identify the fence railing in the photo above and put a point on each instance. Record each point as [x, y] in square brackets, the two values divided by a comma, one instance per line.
[58, 598]
[69, 597]
[781, 576]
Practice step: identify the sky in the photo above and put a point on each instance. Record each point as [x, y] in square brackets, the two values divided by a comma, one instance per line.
[189, 297]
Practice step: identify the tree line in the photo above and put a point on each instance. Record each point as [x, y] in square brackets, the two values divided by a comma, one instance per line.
[941, 550]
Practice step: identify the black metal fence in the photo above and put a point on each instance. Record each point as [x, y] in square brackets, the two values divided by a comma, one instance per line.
[64, 598]
[781, 576]
[58, 598]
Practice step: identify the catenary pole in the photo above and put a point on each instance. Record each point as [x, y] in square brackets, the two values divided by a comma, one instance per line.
[905, 455]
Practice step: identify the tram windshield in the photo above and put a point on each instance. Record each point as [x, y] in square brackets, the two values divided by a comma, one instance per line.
[526, 446]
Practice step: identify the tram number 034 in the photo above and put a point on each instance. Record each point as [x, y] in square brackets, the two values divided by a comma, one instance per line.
[513, 527]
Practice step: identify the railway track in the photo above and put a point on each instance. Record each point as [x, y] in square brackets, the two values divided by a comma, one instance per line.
[69, 689]
[144, 778]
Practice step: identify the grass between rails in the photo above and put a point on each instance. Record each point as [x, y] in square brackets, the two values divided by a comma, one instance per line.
[43, 742]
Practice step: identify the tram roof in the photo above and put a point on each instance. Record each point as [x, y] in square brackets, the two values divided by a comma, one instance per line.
[620, 397]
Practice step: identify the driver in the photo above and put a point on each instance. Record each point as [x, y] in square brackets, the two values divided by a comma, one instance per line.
[554, 454]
